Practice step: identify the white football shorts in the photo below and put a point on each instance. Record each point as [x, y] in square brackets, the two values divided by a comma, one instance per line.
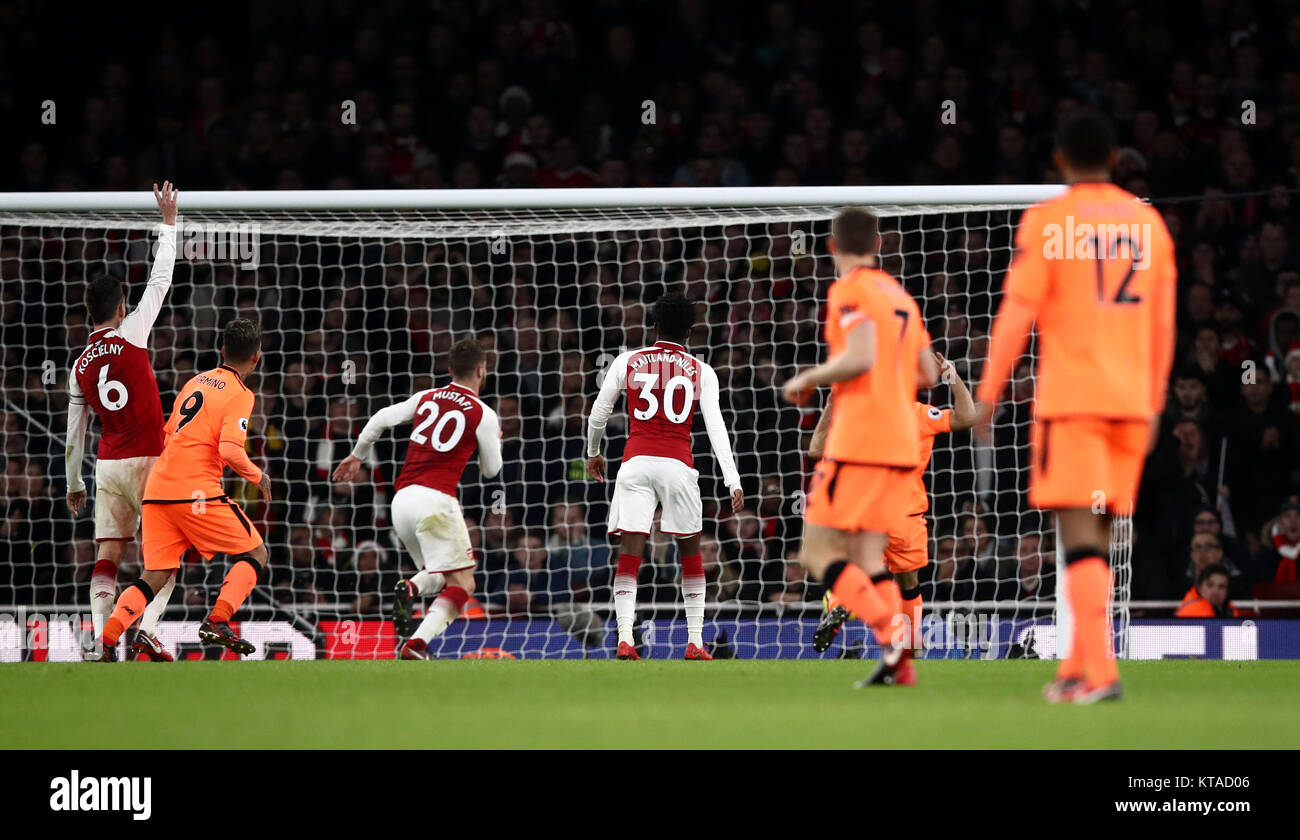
[119, 487]
[431, 526]
[647, 482]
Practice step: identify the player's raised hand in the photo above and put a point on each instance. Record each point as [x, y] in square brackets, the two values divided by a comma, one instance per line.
[947, 370]
[76, 500]
[737, 500]
[799, 389]
[596, 467]
[166, 198]
[347, 470]
[264, 487]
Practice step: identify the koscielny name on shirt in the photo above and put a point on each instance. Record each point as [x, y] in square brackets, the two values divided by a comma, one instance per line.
[103, 793]
[94, 351]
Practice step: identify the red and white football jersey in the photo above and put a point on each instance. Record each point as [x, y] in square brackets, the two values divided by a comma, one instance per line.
[448, 425]
[114, 377]
[664, 386]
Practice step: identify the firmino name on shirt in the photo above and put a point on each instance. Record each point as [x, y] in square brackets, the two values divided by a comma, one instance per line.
[95, 351]
[211, 381]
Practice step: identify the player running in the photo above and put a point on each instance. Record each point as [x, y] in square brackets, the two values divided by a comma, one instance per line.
[451, 423]
[114, 377]
[184, 503]
[863, 486]
[1103, 304]
[664, 384]
[908, 549]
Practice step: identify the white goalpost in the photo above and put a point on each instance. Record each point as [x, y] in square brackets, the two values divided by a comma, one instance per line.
[361, 294]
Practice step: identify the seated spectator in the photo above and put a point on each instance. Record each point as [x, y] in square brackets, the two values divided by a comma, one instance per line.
[533, 584]
[366, 578]
[1209, 598]
[723, 576]
[1035, 568]
[1208, 521]
[571, 547]
[1206, 550]
[794, 588]
[1278, 560]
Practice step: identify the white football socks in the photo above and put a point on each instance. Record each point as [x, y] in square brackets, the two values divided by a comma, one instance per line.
[624, 606]
[693, 595]
[428, 583]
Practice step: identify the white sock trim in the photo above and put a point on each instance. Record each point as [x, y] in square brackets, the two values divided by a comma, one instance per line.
[439, 618]
[693, 596]
[624, 606]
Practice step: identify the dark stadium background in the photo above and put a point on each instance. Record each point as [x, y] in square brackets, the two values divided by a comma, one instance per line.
[549, 94]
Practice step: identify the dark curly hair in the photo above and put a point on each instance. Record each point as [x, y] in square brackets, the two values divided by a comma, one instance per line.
[674, 316]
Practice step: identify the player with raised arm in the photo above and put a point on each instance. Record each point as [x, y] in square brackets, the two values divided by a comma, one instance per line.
[450, 424]
[1103, 301]
[664, 384]
[184, 503]
[908, 549]
[862, 488]
[113, 378]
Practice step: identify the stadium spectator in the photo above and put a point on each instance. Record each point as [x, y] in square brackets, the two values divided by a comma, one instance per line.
[1209, 597]
[785, 95]
[1278, 558]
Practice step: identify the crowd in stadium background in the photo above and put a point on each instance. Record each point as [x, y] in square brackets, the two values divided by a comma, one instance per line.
[1205, 104]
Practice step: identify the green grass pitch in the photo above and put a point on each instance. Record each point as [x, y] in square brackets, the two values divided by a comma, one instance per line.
[732, 703]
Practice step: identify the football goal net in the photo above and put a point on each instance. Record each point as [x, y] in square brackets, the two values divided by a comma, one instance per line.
[360, 295]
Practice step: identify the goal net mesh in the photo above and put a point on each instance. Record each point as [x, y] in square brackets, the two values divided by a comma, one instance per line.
[359, 310]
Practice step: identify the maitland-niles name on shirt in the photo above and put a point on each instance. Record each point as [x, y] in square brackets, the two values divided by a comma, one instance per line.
[663, 365]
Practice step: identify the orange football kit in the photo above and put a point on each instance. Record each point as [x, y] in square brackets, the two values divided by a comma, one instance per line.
[1095, 270]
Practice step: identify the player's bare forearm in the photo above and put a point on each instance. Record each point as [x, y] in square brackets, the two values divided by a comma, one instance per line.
[839, 369]
[1006, 344]
[927, 369]
[964, 414]
[818, 443]
[166, 198]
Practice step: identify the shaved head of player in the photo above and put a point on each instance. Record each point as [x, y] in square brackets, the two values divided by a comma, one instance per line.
[105, 302]
[1103, 304]
[861, 488]
[241, 345]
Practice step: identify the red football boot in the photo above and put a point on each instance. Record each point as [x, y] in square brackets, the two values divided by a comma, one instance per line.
[414, 649]
[626, 651]
[146, 646]
[693, 652]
